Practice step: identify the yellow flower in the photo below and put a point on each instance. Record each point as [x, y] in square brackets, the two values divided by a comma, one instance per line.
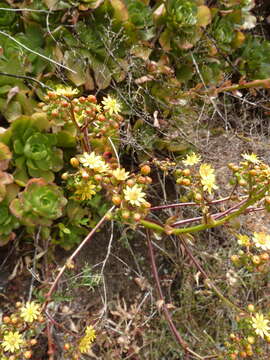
[66, 91]
[243, 240]
[86, 341]
[261, 240]
[120, 174]
[251, 158]
[192, 159]
[260, 324]
[12, 341]
[134, 195]
[93, 161]
[85, 191]
[208, 178]
[30, 312]
[111, 105]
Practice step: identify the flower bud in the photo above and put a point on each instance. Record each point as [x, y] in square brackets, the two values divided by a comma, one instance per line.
[92, 99]
[130, 182]
[242, 182]
[251, 340]
[125, 214]
[243, 354]
[235, 259]
[14, 320]
[198, 197]
[64, 176]
[147, 204]
[264, 257]
[101, 118]
[186, 172]
[33, 342]
[186, 182]
[66, 346]
[64, 103]
[251, 308]
[141, 180]
[267, 338]
[256, 260]
[137, 217]
[74, 162]
[116, 199]
[252, 172]
[55, 113]
[6, 319]
[267, 200]
[27, 354]
[145, 169]
[85, 175]
[98, 177]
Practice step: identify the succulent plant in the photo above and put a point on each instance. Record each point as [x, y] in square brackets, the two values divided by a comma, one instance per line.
[182, 14]
[34, 152]
[5, 178]
[255, 58]
[39, 204]
[8, 222]
[7, 18]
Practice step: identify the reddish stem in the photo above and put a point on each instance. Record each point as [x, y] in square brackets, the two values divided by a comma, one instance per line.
[167, 314]
[169, 206]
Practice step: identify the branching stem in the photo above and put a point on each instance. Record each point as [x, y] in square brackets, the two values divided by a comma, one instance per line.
[167, 314]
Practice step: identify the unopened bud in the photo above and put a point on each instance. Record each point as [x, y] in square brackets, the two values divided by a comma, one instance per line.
[145, 169]
[74, 162]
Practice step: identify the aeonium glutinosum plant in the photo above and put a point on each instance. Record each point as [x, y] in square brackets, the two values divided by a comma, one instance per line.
[39, 203]
[91, 174]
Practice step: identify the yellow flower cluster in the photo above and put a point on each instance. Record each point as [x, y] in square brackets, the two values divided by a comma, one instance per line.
[12, 341]
[67, 91]
[120, 174]
[86, 341]
[93, 161]
[261, 240]
[30, 312]
[260, 325]
[252, 158]
[192, 159]
[134, 195]
[243, 240]
[111, 105]
[85, 191]
[208, 178]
